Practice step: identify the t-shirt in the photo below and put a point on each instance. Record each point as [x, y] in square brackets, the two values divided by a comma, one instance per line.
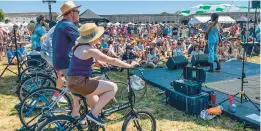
[104, 45]
[150, 57]
[128, 56]
[173, 31]
[196, 53]
[169, 31]
[47, 44]
[64, 37]
[22, 50]
[179, 52]
[36, 35]
[165, 31]
[10, 54]
[190, 50]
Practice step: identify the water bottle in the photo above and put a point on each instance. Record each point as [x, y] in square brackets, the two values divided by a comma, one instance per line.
[213, 99]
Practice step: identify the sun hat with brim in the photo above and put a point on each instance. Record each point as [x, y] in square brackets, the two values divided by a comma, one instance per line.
[22, 42]
[31, 26]
[67, 7]
[89, 32]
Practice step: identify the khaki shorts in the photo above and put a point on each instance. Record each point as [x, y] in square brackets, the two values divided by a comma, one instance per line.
[82, 85]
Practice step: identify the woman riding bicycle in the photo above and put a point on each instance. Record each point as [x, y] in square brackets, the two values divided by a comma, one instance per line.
[97, 92]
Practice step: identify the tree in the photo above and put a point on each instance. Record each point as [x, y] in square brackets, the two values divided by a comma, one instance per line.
[2, 15]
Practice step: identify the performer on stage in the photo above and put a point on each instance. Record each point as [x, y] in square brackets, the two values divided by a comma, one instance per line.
[213, 40]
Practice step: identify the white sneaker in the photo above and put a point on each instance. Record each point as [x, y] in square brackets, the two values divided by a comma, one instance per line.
[62, 100]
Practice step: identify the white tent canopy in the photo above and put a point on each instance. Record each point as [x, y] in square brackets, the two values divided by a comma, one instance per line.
[204, 19]
[2, 24]
[117, 24]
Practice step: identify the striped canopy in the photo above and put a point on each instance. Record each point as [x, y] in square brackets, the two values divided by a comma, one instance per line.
[213, 8]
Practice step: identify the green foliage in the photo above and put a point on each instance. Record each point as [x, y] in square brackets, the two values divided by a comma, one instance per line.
[2, 15]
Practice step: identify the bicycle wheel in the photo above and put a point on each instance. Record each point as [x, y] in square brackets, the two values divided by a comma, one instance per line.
[35, 108]
[35, 70]
[120, 98]
[60, 123]
[32, 82]
[29, 62]
[139, 121]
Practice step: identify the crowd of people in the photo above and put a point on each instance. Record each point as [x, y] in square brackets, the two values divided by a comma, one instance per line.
[72, 48]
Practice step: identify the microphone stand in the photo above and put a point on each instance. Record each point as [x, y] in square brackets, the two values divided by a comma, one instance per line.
[242, 92]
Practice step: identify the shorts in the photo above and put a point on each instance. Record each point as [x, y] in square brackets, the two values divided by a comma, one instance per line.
[82, 85]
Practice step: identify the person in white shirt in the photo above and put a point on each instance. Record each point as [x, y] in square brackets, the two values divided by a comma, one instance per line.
[196, 51]
[153, 59]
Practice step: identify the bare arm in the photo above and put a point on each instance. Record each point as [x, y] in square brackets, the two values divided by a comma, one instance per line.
[95, 53]
[43, 38]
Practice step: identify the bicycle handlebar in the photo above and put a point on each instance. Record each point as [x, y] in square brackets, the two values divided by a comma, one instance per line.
[139, 68]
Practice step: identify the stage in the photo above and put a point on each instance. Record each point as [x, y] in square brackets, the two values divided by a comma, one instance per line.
[223, 83]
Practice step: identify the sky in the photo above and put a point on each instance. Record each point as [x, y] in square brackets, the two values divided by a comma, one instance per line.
[111, 7]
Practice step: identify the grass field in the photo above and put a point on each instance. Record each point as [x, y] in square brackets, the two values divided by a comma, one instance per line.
[168, 118]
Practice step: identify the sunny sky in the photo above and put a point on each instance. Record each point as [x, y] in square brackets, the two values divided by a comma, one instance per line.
[111, 7]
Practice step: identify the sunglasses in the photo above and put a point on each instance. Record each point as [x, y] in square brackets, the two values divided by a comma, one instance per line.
[76, 11]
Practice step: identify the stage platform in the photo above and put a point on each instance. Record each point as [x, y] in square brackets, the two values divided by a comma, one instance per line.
[223, 83]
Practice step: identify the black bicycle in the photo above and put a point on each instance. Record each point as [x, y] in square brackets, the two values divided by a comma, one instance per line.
[39, 101]
[135, 120]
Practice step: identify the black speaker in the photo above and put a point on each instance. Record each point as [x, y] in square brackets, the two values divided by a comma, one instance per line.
[256, 4]
[201, 60]
[252, 49]
[176, 62]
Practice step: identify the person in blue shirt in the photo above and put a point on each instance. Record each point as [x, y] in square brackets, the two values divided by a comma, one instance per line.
[213, 41]
[165, 31]
[64, 38]
[104, 44]
[22, 50]
[11, 54]
[129, 55]
[37, 33]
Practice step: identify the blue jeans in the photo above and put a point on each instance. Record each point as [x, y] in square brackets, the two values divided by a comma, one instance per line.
[212, 52]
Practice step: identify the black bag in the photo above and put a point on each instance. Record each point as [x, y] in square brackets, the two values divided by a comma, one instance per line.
[190, 104]
[192, 83]
[187, 87]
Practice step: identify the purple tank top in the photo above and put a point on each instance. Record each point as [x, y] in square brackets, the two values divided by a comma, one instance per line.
[80, 67]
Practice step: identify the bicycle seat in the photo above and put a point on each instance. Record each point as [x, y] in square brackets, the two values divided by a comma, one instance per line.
[79, 95]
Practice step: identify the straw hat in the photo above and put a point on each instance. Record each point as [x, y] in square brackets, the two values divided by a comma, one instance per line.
[89, 32]
[30, 27]
[22, 42]
[67, 7]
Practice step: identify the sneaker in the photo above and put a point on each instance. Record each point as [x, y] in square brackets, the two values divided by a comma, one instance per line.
[211, 68]
[61, 100]
[217, 70]
[98, 120]
[83, 123]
